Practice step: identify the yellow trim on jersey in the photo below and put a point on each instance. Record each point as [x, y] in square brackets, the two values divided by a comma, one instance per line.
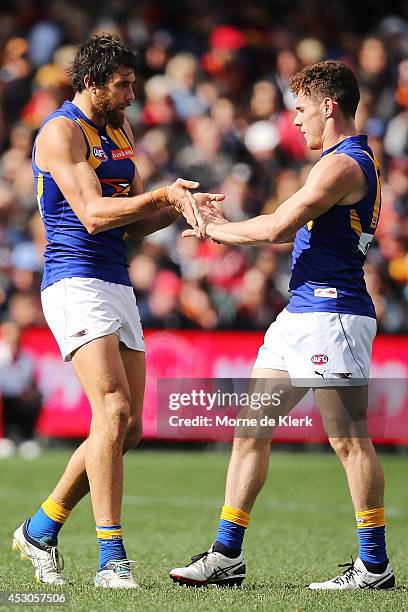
[355, 222]
[93, 139]
[120, 139]
[40, 190]
[377, 204]
[117, 136]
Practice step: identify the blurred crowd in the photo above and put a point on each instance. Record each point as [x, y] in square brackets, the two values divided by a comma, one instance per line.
[212, 105]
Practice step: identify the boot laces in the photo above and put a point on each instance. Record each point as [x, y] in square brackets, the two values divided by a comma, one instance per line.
[122, 568]
[349, 574]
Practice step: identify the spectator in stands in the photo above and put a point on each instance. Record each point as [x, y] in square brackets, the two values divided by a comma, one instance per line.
[19, 393]
[213, 104]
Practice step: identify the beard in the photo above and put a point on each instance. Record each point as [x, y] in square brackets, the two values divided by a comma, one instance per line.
[108, 114]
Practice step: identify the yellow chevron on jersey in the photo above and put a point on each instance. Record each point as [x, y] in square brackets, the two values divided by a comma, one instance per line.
[95, 154]
[95, 149]
[125, 149]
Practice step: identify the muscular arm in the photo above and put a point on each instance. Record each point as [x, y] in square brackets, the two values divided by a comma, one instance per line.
[336, 179]
[61, 151]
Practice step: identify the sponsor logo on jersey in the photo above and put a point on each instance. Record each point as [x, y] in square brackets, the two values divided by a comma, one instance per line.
[328, 292]
[99, 153]
[122, 153]
[319, 359]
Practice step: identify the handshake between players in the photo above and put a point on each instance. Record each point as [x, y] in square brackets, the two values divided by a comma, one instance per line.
[205, 212]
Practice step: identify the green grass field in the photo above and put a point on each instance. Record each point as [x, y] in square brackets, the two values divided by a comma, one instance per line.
[301, 528]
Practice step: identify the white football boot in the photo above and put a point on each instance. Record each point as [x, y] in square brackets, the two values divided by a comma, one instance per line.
[211, 568]
[357, 576]
[116, 575]
[47, 561]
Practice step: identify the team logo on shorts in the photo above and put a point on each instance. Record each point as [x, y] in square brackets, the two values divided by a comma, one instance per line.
[99, 153]
[79, 334]
[319, 359]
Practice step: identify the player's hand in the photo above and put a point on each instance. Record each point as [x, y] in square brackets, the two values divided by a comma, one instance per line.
[178, 195]
[205, 212]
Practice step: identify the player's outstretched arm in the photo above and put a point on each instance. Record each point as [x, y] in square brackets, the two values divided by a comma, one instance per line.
[333, 180]
[165, 217]
[61, 151]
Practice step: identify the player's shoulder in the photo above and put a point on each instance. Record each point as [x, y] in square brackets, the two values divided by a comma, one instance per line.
[60, 125]
[335, 177]
[339, 166]
[60, 132]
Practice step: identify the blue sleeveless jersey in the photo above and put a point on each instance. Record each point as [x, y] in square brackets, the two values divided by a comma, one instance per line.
[71, 250]
[329, 252]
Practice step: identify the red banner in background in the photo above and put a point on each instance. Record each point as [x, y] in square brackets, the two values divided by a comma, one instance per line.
[199, 354]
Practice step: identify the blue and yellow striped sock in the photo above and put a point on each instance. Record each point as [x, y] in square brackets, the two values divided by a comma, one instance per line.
[371, 537]
[47, 521]
[110, 538]
[231, 531]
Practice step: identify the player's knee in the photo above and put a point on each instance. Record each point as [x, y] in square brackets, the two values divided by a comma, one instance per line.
[116, 413]
[344, 447]
[341, 447]
[248, 445]
[133, 434]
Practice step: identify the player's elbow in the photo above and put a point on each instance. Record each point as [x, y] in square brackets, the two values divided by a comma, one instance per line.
[92, 221]
[278, 235]
[92, 226]
[272, 234]
[269, 229]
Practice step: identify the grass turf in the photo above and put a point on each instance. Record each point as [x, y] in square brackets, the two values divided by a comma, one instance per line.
[301, 528]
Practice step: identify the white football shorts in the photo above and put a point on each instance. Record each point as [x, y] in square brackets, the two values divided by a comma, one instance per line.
[79, 310]
[319, 349]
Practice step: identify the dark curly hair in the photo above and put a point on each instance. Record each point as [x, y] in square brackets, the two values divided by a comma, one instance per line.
[332, 79]
[100, 57]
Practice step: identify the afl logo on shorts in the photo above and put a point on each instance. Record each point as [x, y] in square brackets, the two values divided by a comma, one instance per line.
[319, 359]
[99, 153]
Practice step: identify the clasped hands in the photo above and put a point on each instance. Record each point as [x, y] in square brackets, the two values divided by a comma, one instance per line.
[198, 209]
[205, 212]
